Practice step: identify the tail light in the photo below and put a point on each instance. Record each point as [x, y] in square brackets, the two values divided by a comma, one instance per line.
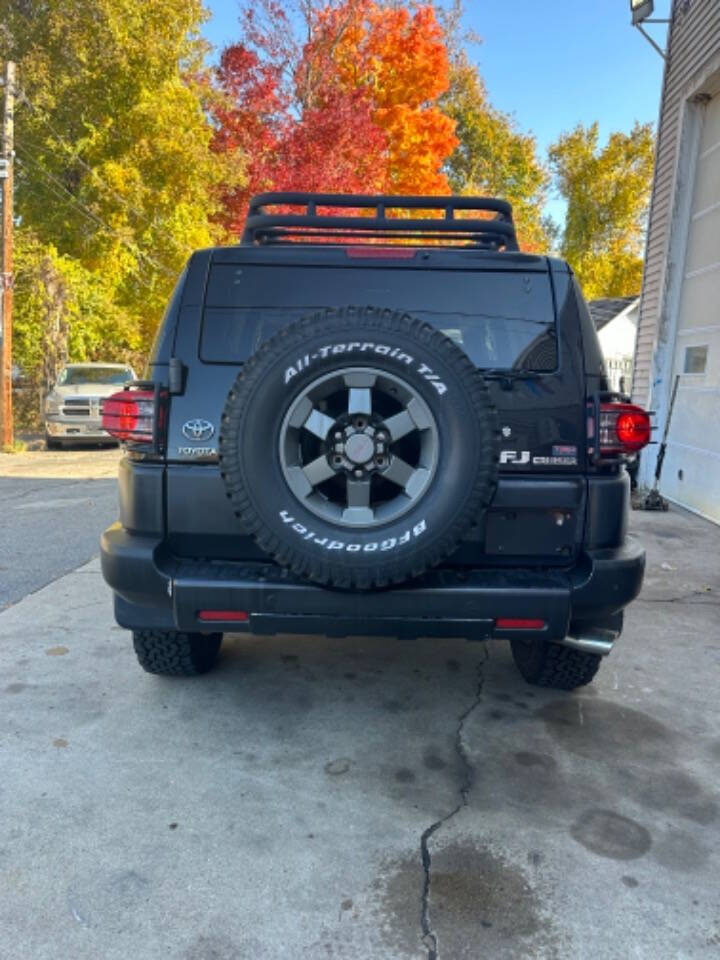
[230, 616]
[622, 428]
[519, 623]
[136, 414]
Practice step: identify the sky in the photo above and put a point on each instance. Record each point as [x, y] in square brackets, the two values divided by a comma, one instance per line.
[550, 63]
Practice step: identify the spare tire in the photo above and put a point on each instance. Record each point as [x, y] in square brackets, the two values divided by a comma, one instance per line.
[359, 445]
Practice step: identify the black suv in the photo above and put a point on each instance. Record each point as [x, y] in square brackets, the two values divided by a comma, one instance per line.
[375, 416]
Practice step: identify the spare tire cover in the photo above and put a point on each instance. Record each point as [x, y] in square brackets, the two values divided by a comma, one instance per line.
[359, 445]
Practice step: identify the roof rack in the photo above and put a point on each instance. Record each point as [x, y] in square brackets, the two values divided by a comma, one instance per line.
[496, 232]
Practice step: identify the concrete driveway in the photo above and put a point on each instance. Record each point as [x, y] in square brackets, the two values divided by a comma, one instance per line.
[363, 798]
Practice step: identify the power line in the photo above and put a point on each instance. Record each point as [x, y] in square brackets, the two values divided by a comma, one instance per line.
[28, 158]
[70, 199]
[91, 215]
[64, 199]
[75, 153]
[133, 248]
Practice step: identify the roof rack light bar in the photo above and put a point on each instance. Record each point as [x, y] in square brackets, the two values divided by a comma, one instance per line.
[497, 231]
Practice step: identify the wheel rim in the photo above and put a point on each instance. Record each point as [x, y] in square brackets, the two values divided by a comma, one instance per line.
[359, 447]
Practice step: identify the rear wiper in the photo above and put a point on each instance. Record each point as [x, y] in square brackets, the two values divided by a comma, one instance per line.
[507, 378]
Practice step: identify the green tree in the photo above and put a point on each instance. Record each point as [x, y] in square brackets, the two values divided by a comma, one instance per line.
[607, 190]
[62, 309]
[115, 171]
[493, 157]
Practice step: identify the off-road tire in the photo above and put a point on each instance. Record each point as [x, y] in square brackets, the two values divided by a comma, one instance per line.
[546, 664]
[327, 344]
[173, 654]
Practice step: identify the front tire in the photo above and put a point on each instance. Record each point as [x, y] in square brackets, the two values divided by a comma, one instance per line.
[546, 664]
[52, 444]
[172, 654]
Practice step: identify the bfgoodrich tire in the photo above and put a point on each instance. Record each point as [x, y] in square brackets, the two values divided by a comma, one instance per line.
[358, 446]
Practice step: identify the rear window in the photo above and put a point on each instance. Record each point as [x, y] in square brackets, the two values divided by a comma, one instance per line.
[501, 319]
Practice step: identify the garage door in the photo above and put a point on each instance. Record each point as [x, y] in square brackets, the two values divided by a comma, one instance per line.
[691, 474]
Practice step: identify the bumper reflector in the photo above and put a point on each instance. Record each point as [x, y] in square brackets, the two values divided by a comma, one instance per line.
[212, 615]
[511, 623]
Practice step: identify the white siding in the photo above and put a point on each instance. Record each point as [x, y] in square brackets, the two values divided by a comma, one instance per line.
[680, 303]
[693, 42]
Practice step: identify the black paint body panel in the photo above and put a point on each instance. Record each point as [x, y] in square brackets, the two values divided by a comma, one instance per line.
[552, 543]
[155, 589]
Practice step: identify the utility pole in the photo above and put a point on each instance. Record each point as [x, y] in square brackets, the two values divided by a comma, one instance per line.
[6, 264]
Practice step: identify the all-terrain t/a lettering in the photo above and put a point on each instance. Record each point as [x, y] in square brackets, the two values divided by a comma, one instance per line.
[382, 349]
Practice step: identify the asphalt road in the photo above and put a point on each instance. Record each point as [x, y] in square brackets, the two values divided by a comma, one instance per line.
[53, 508]
[316, 799]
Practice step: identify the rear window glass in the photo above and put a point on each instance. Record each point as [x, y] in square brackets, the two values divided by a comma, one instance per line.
[501, 320]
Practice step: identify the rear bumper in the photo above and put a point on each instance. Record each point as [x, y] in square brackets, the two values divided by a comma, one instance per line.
[154, 589]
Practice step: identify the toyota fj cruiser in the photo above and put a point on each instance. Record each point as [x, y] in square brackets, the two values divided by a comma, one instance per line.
[375, 416]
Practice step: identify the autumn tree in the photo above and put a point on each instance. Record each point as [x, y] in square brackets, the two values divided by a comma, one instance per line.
[351, 106]
[116, 181]
[62, 309]
[494, 158]
[607, 190]
[399, 60]
[326, 141]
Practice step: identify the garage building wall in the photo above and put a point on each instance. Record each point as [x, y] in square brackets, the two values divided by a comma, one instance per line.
[681, 283]
[693, 42]
[691, 474]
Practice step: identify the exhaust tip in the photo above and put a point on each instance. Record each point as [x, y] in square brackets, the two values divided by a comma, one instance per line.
[598, 640]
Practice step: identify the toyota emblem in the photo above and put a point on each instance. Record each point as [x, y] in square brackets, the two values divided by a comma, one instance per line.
[198, 430]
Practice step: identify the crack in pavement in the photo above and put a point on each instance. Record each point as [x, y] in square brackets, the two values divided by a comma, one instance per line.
[686, 598]
[18, 494]
[429, 938]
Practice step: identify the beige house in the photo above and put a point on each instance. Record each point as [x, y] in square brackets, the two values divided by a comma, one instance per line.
[679, 322]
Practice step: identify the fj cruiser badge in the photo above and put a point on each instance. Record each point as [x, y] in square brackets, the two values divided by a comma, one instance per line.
[563, 455]
[198, 430]
[515, 456]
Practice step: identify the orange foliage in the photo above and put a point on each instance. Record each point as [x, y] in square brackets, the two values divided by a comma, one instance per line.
[359, 113]
[400, 60]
